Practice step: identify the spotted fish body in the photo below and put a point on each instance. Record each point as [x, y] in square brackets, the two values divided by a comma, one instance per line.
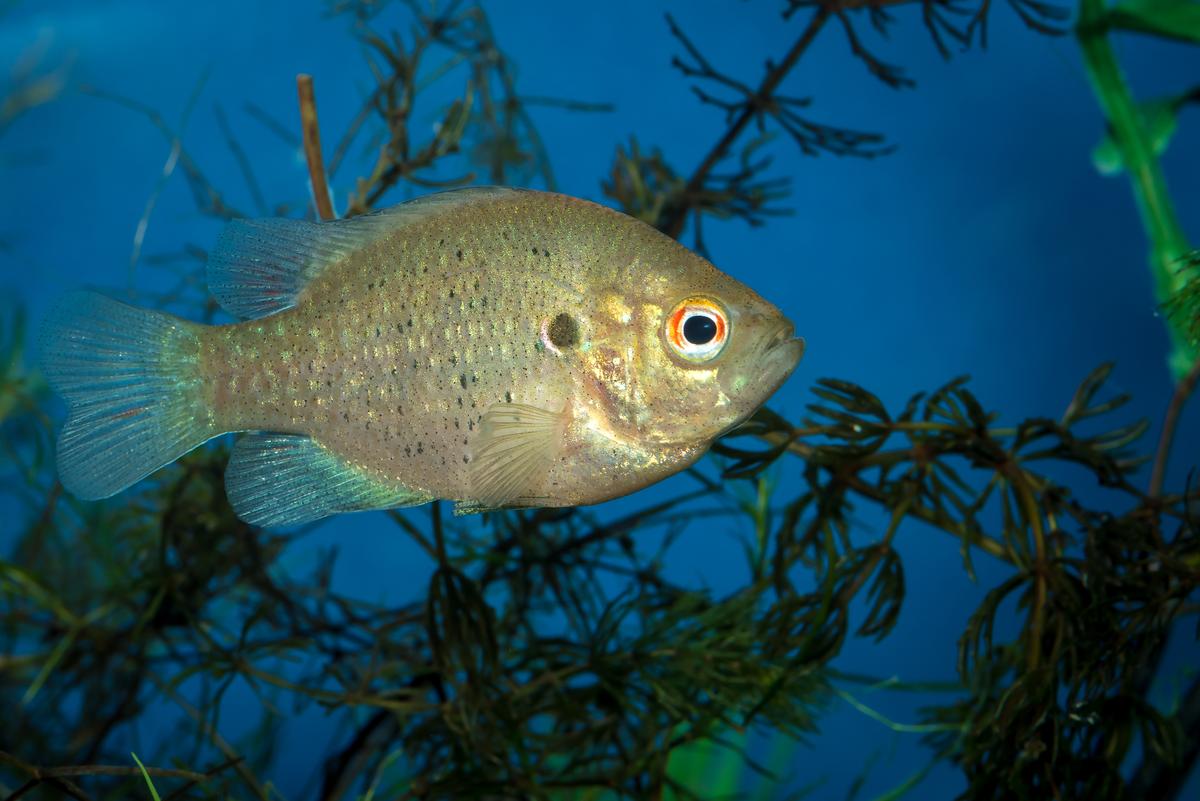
[489, 346]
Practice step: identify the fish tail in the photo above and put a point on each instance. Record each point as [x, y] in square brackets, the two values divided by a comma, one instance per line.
[133, 384]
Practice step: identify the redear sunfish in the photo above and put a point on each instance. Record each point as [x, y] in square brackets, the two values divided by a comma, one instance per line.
[494, 347]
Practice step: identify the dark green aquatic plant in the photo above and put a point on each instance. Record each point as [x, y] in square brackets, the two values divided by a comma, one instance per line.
[549, 655]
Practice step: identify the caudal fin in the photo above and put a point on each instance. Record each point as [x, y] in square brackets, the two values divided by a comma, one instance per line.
[135, 396]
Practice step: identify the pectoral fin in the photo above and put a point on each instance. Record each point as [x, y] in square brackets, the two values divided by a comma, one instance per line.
[517, 447]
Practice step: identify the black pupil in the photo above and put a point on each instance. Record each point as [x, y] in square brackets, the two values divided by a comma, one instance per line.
[699, 329]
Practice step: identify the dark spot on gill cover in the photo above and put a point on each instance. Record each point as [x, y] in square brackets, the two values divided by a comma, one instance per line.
[564, 331]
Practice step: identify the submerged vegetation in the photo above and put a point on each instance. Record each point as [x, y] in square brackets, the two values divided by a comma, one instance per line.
[550, 655]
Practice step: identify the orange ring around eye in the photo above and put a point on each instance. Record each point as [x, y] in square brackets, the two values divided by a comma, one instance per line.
[695, 305]
[675, 328]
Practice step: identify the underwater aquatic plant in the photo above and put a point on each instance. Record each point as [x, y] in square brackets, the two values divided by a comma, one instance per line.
[549, 657]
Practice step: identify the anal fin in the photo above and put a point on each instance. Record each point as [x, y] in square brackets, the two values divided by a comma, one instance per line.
[285, 480]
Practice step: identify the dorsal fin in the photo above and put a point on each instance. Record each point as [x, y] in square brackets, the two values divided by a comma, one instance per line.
[260, 267]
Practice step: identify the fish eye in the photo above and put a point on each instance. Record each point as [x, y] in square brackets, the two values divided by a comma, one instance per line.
[697, 329]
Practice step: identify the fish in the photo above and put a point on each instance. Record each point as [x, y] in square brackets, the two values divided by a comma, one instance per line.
[495, 347]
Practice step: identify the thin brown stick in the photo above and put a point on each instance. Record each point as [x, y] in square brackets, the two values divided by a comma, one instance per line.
[312, 146]
[1182, 391]
[40, 772]
[64, 785]
[775, 76]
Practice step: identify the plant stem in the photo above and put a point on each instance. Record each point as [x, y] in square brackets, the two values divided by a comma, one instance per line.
[312, 146]
[674, 224]
[97, 770]
[936, 518]
[1167, 241]
[1037, 612]
[1182, 391]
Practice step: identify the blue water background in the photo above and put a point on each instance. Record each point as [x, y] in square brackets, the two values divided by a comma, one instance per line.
[987, 244]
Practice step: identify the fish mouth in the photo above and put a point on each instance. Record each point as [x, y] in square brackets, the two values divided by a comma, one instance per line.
[783, 340]
[781, 352]
[785, 333]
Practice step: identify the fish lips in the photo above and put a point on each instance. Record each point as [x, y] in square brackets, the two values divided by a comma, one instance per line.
[782, 352]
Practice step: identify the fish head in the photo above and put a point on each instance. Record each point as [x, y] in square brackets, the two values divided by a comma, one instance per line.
[684, 352]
